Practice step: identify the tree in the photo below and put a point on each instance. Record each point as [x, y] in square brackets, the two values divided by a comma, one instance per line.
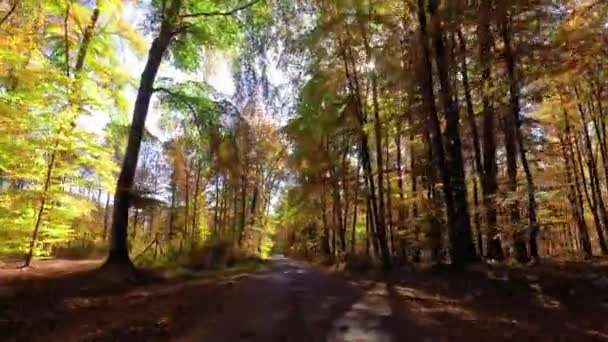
[182, 27]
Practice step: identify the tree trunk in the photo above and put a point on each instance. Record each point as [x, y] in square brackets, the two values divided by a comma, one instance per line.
[356, 199]
[47, 185]
[84, 46]
[477, 163]
[106, 218]
[401, 214]
[243, 217]
[380, 210]
[217, 204]
[365, 156]
[119, 252]
[515, 118]
[594, 182]
[325, 247]
[461, 239]
[186, 203]
[574, 199]
[195, 202]
[589, 198]
[389, 202]
[489, 184]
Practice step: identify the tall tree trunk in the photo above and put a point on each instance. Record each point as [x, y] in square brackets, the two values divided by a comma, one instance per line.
[513, 121]
[378, 224]
[243, 217]
[381, 225]
[135, 222]
[84, 46]
[217, 203]
[325, 247]
[355, 200]
[173, 202]
[338, 223]
[575, 200]
[489, 184]
[590, 200]
[195, 202]
[106, 218]
[401, 207]
[461, 238]
[594, 182]
[389, 202]
[434, 126]
[119, 252]
[45, 190]
[344, 181]
[187, 202]
[477, 162]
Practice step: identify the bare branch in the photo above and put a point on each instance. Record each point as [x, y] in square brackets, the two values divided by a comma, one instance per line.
[219, 13]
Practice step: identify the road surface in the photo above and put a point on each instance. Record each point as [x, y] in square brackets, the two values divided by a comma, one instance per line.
[290, 301]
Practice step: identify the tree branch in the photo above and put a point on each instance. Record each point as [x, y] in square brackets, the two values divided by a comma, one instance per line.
[8, 14]
[176, 95]
[219, 13]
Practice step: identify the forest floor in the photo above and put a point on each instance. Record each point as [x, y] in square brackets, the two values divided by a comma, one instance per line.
[286, 300]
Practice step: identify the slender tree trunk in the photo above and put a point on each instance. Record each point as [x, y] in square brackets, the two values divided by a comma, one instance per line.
[135, 222]
[365, 156]
[381, 230]
[401, 214]
[119, 252]
[461, 238]
[195, 204]
[106, 218]
[594, 182]
[489, 184]
[243, 218]
[45, 190]
[325, 247]
[217, 204]
[389, 202]
[187, 203]
[344, 181]
[338, 223]
[355, 200]
[173, 202]
[223, 207]
[84, 46]
[575, 202]
[514, 92]
[590, 200]
[477, 162]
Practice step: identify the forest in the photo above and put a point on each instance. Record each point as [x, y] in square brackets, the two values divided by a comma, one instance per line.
[452, 152]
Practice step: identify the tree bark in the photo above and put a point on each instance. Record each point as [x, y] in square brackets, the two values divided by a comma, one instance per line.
[356, 199]
[106, 218]
[594, 182]
[84, 46]
[462, 249]
[195, 202]
[365, 157]
[477, 162]
[119, 251]
[515, 117]
[489, 184]
[575, 199]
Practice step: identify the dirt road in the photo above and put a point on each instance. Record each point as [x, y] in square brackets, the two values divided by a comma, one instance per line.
[289, 301]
